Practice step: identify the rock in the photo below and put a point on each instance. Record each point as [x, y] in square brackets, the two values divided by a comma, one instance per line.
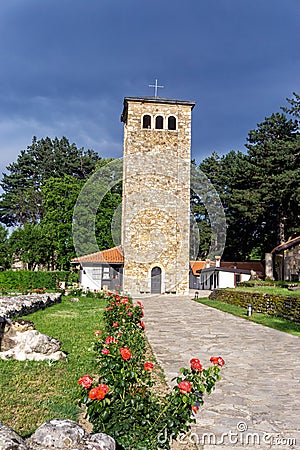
[10, 440]
[20, 305]
[66, 434]
[23, 325]
[9, 331]
[20, 341]
[100, 441]
[61, 434]
[57, 433]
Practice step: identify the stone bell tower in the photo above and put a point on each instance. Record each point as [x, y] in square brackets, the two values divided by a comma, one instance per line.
[156, 195]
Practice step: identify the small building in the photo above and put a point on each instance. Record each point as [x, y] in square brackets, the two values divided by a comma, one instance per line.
[283, 263]
[101, 270]
[223, 274]
[104, 271]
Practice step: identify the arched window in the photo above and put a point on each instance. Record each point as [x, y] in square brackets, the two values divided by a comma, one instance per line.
[146, 121]
[171, 123]
[159, 123]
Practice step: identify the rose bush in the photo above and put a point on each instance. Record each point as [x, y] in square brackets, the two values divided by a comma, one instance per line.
[120, 401]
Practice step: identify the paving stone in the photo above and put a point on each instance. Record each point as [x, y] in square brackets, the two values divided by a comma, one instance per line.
[260, 385]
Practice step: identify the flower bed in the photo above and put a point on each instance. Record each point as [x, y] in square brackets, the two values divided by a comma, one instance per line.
[119, 400]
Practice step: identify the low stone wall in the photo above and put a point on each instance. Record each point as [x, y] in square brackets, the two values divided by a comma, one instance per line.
[21, 305]
[287, 307]
[60, 434]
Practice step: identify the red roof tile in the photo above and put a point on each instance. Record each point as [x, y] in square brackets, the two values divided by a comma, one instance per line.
[112, 255]
[257, 266]
[197, 265]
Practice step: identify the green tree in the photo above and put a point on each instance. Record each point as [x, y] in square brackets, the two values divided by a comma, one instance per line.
[259, 190]
[28, 246]
[60, 195]
[294, 108]
[229, 174]
[96, 207]
[4, 248]
[274, 157]
[22, 199]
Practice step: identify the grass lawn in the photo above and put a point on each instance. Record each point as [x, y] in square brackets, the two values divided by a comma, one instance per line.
[34, 392]
[278, 323]
[272, 290]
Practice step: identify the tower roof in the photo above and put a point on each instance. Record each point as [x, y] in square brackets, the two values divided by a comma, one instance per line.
[161, 100]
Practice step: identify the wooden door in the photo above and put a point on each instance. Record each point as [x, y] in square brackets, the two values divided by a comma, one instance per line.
[156, 280]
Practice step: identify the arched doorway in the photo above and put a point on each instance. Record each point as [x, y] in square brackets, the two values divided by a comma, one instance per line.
[156, 280]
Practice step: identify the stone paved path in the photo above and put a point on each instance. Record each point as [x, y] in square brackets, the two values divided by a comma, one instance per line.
[256, 405]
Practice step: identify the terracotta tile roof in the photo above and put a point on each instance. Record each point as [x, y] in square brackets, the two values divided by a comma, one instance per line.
[112, 255]
[257, 266]
[286, 245]
[245, 266]
[197, 265]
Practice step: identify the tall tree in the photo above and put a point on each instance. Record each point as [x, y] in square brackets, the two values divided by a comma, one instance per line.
[27, 244]
[259, 190]
[22, 200]
[4, 248]
[230, 176]
[60, 195]
[294, 108]
[274, 158]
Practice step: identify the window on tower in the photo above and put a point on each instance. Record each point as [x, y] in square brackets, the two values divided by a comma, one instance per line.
[146, 121]
[171, 123]
[159, 123]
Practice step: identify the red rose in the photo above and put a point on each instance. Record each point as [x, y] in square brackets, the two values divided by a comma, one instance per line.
[97, 332]
[105, 351]
[148, 366]
[99, 392]
[129, 314]
[196, 365]
[142, 324]
[115, 324]
[140, 304]
[111, 340]
[86, 381]
[195, 409]
[125, 353]
[185, 387]
[217, 360]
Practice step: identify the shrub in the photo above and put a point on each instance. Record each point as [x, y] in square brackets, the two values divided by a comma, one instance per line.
[120, 401]
[26, 280]
[287, 307]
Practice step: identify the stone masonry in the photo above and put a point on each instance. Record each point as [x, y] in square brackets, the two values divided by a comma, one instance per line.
[156, 195]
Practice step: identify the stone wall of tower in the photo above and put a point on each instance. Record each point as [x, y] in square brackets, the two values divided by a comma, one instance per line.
[156, 197]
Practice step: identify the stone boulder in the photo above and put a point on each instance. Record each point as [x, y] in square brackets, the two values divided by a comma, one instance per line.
[60, 434]
[10, 440]
[19, 340]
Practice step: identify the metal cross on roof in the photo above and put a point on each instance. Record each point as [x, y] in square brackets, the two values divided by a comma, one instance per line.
[155, 86]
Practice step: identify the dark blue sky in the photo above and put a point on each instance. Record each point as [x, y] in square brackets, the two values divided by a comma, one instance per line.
[66, 66]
